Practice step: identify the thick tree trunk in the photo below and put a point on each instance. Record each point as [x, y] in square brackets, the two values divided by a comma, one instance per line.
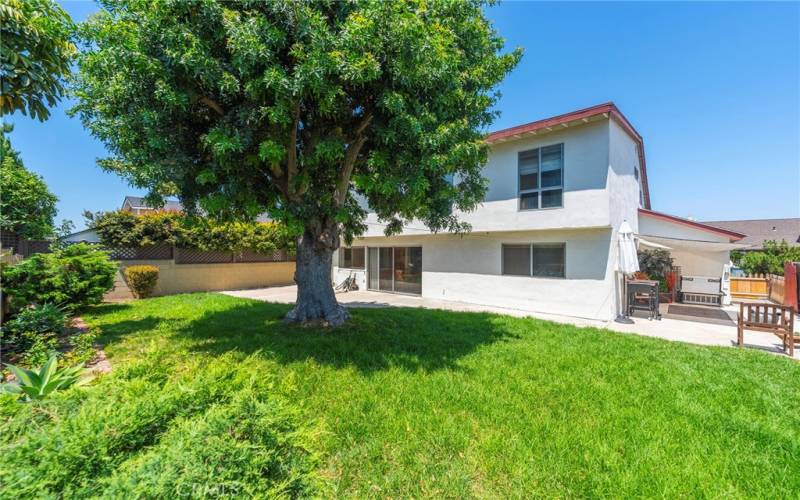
[316, 302]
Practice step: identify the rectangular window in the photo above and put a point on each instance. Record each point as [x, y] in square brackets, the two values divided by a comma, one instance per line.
[541, 177]
[517, 260]
[548, 260]
[545, 260]
[352, 258]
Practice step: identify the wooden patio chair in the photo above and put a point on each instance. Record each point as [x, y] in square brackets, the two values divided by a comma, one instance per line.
[772, 318]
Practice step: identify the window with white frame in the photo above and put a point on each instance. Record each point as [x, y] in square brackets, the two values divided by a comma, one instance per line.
[541, 177]
[351, 258]
[545, 260]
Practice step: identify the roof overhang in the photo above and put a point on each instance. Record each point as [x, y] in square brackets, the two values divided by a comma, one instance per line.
[731, 235]
[607, 111]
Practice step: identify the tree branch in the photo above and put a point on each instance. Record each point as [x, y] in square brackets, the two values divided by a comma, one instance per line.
[291, 150]
[350, 157]
[211, 103]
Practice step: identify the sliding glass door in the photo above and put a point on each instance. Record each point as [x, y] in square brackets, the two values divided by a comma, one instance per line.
[395, 269]
[385, 269]
[372, 269]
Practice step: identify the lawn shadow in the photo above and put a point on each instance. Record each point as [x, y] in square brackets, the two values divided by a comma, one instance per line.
[113, 332]
[374, 339]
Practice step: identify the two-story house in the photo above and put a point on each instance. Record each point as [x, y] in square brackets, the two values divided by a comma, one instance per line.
[545, 238]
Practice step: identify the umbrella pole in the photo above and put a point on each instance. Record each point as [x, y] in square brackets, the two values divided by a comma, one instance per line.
[623, 317]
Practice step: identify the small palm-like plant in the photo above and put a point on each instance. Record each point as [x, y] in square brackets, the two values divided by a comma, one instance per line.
[39, 383]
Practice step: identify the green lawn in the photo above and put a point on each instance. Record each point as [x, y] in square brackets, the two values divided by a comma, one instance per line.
[423, 403]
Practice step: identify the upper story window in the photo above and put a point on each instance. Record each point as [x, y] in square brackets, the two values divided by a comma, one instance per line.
[541, 177]
[352, 258]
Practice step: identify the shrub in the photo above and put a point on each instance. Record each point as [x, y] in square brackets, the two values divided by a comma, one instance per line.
[655, 263]
[770, 260]
[74, 277]
[141, 280]
[124, 230]
[39, 383]
[33, 333]
[150, 431]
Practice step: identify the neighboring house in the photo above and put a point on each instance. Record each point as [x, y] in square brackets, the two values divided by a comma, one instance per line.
[760, 230]
[84, 236]
[138, 206]
[545, 238]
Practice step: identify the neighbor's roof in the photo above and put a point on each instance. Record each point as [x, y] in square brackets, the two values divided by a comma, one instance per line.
[601, 111]
[138, 202]
[732, 235]
[760, 230]
[175, 206]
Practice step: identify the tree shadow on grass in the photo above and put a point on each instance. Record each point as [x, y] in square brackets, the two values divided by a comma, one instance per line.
[374, 339]
[113, 332]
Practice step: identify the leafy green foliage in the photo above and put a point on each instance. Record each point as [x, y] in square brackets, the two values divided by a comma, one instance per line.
[210, 428]
[33, 333]
[770, 260]
[35, 55]
[73, 277]
[27, 207]
[296, 107]
[38, 384]
[655, 264]
[141, 280]
[121, 229]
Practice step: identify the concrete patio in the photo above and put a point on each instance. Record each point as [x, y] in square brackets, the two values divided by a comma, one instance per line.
[671, 327]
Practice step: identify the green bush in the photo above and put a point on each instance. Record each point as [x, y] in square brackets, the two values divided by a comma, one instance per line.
[74, 277]
[141, 280]
[150, 431]
[33, 333]
[770, 260]
[655, 263]
[124, 230]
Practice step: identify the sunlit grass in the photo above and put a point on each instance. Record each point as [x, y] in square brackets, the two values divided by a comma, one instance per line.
[414, 402]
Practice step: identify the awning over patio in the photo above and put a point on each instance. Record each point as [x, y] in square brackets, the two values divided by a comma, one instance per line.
[651, 241]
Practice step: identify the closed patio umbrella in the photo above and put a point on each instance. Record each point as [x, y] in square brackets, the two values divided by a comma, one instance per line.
[628, 262]
[627, 259]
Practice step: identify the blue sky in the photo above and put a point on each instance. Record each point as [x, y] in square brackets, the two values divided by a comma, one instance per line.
[714, 89]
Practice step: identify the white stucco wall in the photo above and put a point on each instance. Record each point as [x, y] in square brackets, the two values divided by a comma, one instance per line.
[468, 269]
[623, 188]
[695, 263]
[585, 199]
[653, 226]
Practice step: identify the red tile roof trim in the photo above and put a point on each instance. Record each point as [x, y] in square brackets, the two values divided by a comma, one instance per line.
[609, 107]
[733, 235]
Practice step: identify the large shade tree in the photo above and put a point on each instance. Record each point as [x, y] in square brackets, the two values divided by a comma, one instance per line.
[305, 109]
[27, 207]
[35, 55]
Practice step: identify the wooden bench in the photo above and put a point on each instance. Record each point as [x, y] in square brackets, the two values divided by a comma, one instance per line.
[771, 318]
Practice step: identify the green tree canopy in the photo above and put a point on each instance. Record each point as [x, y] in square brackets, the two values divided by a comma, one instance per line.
[35, 55]
[770, 260]
[300, 109]
[27, 207]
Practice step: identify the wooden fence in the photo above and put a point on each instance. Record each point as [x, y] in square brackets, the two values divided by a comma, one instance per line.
[750, 287]
[777, 289]
[760, 286]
